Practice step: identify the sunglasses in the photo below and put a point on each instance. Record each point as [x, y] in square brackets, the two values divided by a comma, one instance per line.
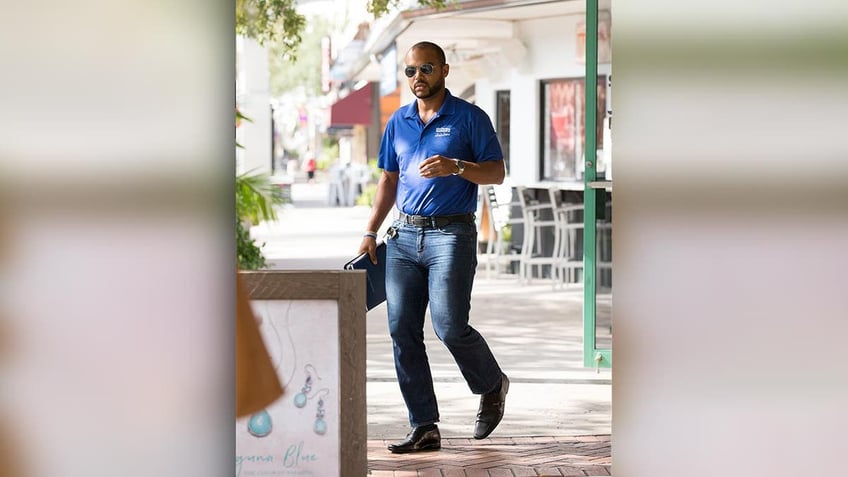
[426, 69]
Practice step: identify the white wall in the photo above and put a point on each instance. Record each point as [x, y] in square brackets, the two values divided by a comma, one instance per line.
[254, 101]
[551, 45]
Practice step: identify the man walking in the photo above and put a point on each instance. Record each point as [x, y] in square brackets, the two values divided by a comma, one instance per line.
[434, 153]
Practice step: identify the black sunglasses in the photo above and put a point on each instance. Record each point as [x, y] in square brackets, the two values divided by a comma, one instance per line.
[426, 68]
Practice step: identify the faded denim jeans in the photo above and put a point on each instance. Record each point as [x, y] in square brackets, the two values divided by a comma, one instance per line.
[435, 267]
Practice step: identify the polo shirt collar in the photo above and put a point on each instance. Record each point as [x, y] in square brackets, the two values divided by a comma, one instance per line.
[447, 107]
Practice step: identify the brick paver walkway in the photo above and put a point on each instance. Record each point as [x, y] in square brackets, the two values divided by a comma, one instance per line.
[552, 394]
[497, 457]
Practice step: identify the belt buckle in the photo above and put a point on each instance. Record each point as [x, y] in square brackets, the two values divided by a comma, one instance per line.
[415, 220]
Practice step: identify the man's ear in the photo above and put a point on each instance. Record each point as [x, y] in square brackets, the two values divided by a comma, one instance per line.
[445, 70]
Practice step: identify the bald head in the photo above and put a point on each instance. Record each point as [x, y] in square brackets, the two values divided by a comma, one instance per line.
[436, 49]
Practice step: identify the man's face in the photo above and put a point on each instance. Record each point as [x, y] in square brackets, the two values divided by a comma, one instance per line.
[425, 85]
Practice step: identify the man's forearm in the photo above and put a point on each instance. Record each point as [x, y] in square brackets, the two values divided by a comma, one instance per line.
[383, 201]
[483, 173]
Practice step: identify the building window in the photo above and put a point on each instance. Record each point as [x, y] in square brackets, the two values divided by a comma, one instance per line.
[563, 123]
[502, 124]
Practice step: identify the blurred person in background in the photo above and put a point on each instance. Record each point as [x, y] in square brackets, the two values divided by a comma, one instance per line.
[311, 165]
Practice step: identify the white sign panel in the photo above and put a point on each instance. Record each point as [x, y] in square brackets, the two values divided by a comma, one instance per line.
[298, 435]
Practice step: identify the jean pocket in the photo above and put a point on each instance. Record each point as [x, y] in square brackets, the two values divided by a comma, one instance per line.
[459, 229]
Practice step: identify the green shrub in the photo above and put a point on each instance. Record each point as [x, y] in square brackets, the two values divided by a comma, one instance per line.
[255, 201]
[249, 253]
[368, 195]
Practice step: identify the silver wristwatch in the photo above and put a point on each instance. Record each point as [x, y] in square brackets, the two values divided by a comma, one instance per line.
[460, 168]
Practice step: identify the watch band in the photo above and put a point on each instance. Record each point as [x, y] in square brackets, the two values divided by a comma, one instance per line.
[460, 168]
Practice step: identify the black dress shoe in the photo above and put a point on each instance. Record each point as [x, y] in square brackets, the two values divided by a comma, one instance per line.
[419, 440]
[491, 410]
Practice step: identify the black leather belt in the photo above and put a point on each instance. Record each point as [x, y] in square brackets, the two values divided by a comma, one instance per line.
[436, 221]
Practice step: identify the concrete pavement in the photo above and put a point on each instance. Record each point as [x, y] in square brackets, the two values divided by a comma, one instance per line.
[534, 330]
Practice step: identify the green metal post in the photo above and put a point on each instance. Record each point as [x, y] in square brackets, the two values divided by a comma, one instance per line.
[591, 358]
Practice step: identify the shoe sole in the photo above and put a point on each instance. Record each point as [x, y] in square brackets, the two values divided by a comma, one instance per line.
[506, 391]
[429, 448]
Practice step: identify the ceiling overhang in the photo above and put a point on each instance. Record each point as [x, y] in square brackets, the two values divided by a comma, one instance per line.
[478, 36]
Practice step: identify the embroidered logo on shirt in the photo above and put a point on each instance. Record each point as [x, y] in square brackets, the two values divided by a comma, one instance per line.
[443, 131]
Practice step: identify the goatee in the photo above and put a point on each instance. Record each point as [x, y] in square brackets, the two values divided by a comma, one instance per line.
[428, 93]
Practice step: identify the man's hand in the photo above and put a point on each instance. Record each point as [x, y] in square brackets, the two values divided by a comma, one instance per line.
[369, 245]
[437, 166]
[486, 172]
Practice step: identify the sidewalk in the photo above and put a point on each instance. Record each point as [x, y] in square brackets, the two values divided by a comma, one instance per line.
[558, 413]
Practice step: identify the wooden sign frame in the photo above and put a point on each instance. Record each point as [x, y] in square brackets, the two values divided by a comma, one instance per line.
[347, 288]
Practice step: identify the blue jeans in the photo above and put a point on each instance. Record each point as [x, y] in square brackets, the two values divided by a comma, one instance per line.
[436, 267]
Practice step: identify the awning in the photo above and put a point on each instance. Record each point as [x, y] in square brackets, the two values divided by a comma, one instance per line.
[354, 108]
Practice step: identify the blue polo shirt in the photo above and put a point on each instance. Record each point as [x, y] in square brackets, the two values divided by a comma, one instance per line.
[459, 130]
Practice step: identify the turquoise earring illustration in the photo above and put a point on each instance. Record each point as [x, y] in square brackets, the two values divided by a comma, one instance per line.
[259, 424]
[320, 424]
[303, 396]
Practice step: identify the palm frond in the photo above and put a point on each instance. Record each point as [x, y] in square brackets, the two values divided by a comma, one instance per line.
[255, 198]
